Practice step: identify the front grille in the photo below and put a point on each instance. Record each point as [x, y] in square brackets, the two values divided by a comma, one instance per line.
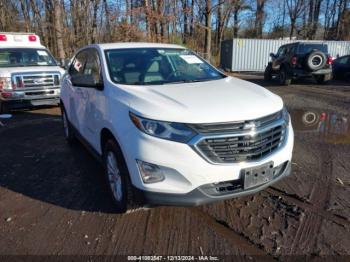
[245, 144]
[230, 127]
[40, 93]
[36, 81]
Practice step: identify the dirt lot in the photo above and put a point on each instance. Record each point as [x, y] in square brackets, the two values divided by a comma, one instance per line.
[53, 200]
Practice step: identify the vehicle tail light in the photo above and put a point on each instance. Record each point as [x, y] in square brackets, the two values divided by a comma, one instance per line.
[330, 60]
[32, 38]
[3, 38]
[294, 60]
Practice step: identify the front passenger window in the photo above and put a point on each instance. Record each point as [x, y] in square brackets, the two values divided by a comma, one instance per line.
[85, 70]
[92, 70]
[78, 65]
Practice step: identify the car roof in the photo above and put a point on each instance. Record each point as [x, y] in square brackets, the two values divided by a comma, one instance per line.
[310, 43]
[303, 43]
[123, 45]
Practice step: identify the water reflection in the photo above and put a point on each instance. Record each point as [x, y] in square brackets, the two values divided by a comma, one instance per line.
[330, 127]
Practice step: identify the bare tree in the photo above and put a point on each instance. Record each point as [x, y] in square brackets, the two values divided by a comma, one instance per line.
[295, 9]
[58, 30]
[259, 17]
[314, 13]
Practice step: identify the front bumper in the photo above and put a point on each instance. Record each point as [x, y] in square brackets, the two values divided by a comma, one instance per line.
[27, 99]
[187, 172]
[205, 194]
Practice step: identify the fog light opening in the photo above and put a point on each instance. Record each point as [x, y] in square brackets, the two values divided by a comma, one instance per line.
[150, 173]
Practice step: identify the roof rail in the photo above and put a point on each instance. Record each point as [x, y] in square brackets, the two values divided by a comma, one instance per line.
[17, 33]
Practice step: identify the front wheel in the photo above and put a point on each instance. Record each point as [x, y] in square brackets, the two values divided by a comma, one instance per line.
[284, 78]
[268, 73]
[3, 108]
[116, 175]
[67, 127]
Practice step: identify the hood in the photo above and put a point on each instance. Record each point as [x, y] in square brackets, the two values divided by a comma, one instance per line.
[224, 100]
[7, 71]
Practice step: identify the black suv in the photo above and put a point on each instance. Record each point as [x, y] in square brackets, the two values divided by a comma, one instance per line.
[298, 60]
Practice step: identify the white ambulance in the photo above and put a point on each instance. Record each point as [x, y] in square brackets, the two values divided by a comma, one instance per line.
[29, 75]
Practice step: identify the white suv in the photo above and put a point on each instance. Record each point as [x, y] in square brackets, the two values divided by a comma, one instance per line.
[171, 127]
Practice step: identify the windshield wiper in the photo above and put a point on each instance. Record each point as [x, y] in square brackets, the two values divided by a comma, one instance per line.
[190, 81]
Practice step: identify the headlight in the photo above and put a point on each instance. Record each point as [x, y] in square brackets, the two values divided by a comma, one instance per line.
[167, 130]
[285, 115]
[5, 83]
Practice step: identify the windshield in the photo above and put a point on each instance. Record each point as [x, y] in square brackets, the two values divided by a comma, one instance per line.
[154, 66]
[12, 57]
[307, 48]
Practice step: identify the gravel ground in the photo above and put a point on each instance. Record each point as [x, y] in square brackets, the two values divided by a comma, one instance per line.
[53, 200]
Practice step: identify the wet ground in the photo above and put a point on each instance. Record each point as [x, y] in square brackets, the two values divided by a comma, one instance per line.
[53, 200]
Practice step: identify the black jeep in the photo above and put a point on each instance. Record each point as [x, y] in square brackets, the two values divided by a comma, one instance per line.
[299, 60]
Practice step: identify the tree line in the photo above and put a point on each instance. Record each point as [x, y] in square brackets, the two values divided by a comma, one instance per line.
[65, 25]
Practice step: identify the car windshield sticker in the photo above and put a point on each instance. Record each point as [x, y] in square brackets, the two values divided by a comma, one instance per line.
[191, 59]
[43, 53]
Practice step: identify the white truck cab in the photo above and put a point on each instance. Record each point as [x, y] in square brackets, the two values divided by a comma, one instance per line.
[29, 75]
[172, 127]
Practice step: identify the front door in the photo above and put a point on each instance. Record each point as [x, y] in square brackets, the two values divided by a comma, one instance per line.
[76, 98]
[93, 100]
[279, 58]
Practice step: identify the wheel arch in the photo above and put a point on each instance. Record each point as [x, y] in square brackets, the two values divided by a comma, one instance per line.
[105, 135]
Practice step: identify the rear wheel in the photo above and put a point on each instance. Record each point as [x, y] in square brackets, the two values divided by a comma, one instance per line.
[284, 78]
[322, 79]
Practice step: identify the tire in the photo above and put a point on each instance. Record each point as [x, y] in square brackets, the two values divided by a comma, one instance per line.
[67, 128]
[316, 60]
[322, 79]
[3, 109]
[284, 78]
[117, 176]
[268, 73]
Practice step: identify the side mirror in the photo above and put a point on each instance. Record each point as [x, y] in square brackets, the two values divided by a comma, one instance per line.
[87, 81]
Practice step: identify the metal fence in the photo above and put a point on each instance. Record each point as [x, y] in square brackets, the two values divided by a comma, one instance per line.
[254, 54]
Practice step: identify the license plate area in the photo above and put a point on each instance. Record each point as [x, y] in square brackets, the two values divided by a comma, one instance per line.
[258, 175]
